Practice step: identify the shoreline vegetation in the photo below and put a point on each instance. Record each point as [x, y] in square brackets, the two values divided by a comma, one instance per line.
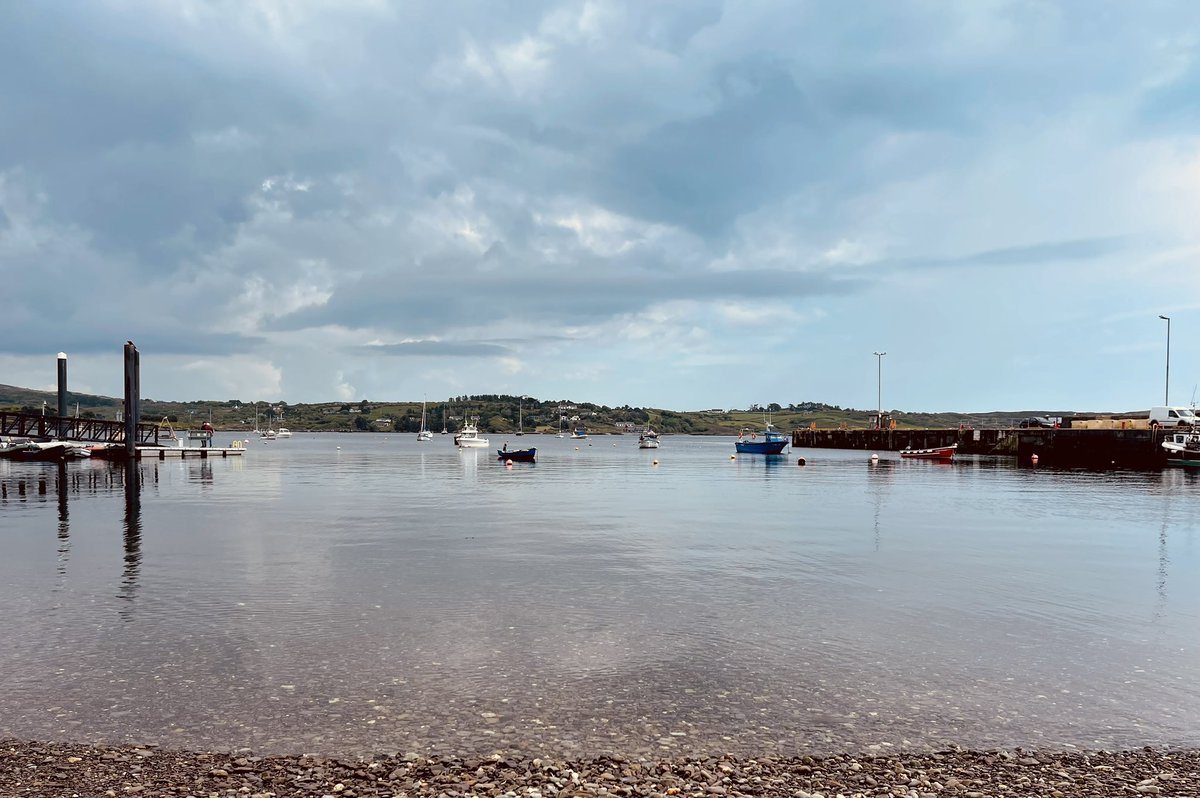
[50, 769]
[500, 414]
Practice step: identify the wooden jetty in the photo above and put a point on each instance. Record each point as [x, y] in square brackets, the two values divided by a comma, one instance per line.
[172, 452]
[99, 431]
[203, 448]
[1065, 447]
[34, 425]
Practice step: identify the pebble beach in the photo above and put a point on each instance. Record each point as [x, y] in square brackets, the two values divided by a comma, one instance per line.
[30, 769]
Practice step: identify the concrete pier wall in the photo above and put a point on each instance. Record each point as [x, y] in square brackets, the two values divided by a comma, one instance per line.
[1072, 448]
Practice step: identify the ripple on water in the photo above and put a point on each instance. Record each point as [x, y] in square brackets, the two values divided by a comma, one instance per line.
[387, 595]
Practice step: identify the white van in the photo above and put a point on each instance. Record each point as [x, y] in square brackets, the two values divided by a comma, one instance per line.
[1172, 417]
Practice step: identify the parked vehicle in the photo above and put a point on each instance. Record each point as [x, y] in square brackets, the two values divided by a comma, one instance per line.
[1037, 421]
[1164, 416]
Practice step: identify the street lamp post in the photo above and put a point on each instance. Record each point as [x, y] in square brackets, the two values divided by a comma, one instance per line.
[1167, 388]
[879, 389]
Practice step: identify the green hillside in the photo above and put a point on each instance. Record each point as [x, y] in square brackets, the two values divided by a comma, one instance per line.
[497, 413]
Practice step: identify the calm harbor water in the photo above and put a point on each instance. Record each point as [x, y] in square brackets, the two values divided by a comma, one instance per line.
[353, 593]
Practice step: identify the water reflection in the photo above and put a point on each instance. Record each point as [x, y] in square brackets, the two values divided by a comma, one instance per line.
[879, 478]
[359, 598]
[64, 520]
[133, 537]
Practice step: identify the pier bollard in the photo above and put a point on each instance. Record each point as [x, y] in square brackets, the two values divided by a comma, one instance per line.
[1033, 459]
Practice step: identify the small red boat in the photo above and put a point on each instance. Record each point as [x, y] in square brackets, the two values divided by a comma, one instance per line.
[936, 453]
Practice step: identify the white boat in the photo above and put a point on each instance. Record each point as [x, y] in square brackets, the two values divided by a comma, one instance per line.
[579, 432]
[469, 437]
[424, 434]
[648, 439]
[283, 432]
[266, 435]
[1183, 449]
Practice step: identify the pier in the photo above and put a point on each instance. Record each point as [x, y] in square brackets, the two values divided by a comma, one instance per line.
[1066, 447]
[94, 430]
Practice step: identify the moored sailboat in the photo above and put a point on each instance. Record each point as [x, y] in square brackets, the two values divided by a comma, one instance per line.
[424, 434]
[648, 439]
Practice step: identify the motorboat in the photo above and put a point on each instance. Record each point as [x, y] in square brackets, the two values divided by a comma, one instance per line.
[932, 453]
[517, 455]
[15, 448]
[770, 441]
[579, 432]
[283, 432]
[1183, 449]
[648, 439]
[469, 438]
[45, 450]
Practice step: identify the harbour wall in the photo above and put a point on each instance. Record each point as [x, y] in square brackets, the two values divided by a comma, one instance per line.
[1072, 448]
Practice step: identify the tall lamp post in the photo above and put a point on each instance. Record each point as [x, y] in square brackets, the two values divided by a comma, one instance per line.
[879, 389]
[1167, 389]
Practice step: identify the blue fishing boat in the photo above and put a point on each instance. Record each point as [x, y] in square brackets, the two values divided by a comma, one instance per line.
[517, 455]
[772, 441]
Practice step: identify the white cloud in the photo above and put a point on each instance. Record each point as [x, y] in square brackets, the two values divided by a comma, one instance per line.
[600, 182]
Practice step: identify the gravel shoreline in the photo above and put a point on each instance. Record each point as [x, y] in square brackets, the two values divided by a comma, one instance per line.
[66, 769]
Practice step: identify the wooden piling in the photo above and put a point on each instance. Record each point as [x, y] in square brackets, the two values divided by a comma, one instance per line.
[132, 397]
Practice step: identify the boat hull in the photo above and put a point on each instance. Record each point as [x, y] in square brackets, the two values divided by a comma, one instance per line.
[648, 443]
[936, 453]
[761, 447]
[1184, 462]
[517, 455]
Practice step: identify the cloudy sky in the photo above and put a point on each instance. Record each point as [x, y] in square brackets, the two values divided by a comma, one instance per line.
[681, 204]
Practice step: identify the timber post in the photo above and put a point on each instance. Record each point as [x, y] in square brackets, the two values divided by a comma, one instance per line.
[132, 397]
[62, 393]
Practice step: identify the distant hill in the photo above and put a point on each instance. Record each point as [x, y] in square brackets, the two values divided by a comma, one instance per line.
[497, 413]
[29, 400]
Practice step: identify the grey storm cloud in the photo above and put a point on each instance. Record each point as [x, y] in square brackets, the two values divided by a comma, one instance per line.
[422, 303]
[210, 178]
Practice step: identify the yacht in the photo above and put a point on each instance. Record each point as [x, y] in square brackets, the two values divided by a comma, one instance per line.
[469, 438]
[648, 439]
[424, 434]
